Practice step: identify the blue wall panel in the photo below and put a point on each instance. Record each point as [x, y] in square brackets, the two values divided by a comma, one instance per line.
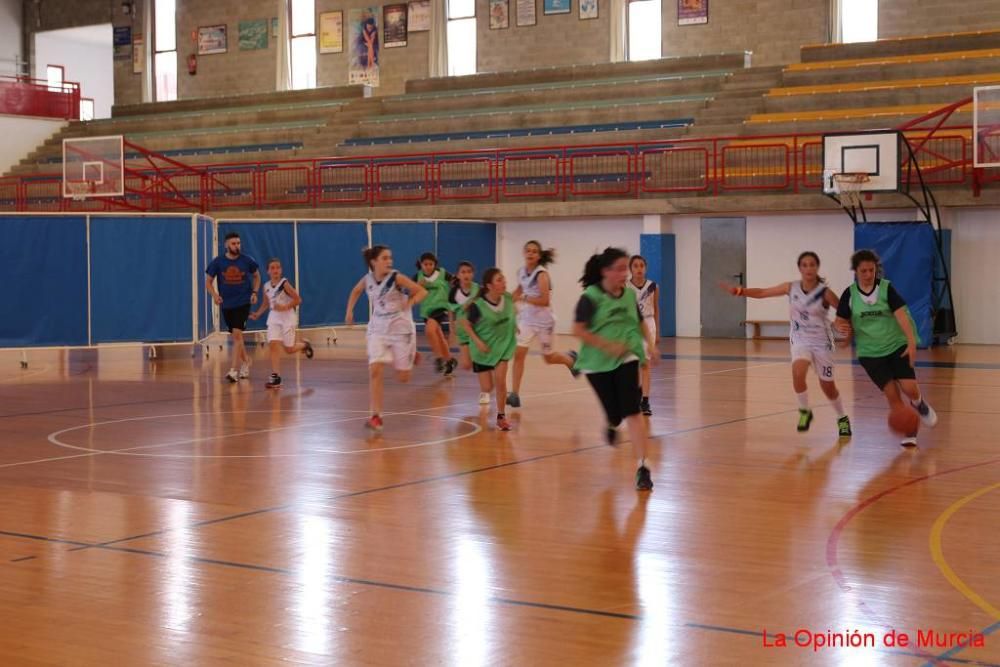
[47, 260]
[206, 251]
[475, 242]
[661, 266]
[263, 240]
[408, 240]
[140, 285]
[330, 264]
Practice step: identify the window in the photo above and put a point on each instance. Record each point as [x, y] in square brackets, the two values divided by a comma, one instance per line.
[303, 46]
[54, 75]
[461, 37]
[858, 20]
[165, 55]
[644, 30]
[86, 109]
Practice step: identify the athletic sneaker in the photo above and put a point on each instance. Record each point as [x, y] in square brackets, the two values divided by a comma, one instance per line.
[274, 382]
[245, 371]
[844, 427]
[611, 435]
[643, 480]
[438, 364]
[374, 423]
[927, 415]
[513, 400]
[805, 419]
[233, 376]
[574, 356]
[484, 398]
[644, 406]
[910, 441]
[502, 423]
[449, 367]
[308, 349]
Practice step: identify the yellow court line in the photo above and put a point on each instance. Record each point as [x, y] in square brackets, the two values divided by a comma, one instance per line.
[938, 555]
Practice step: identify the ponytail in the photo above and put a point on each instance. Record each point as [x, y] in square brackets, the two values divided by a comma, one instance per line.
[597, 263]
[546, 256]
[372, 253]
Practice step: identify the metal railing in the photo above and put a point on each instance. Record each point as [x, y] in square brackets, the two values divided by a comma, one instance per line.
[23, 96]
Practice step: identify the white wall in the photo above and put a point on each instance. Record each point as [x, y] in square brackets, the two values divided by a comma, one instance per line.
[10, 35]
[87, 54]
[575, 240]
[687, 245]
[21, 136]
[975, 247]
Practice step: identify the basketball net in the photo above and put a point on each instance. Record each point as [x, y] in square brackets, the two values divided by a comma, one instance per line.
[848, 188]
[78, 190]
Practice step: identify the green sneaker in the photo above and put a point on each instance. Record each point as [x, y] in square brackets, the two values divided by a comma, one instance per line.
[805, 418]
[844, 427]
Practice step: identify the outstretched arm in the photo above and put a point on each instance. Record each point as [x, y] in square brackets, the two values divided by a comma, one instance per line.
[757, 292]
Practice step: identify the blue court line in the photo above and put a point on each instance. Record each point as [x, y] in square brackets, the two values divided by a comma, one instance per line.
[947, 655]
[944, 657]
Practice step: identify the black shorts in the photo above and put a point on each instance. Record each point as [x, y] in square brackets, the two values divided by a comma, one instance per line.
[479, 368]
[883, 370]
[618, 391]
[440, 316]
[236, 318]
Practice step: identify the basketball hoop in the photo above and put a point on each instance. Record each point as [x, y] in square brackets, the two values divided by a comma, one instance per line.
[78, 190]
[848, 188]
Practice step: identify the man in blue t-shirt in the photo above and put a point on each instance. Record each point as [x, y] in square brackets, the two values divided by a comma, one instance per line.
[239, 279]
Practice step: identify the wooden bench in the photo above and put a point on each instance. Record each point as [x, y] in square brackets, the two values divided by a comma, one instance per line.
[757, 324]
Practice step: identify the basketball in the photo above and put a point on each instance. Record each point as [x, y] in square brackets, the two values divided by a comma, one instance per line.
[904, 420]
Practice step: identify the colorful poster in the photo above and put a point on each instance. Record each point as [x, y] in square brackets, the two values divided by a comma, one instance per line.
[123, 42]
[212, 39]
[138, 55]
[419, 16]
[394, 24]
[557, 6]
[363, 65]
[253, 35]
[526, 12]
[588, 9]
[331, 32]
[499, 14]
[692, 12]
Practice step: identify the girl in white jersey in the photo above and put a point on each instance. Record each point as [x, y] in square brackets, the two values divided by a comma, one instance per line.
[811, 336]
[534, 315]
[282, 299]
[647, 294]
[392, 336]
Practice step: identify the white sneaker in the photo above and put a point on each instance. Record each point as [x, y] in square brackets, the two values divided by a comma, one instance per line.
[927, 415]
[232, 375]
[244, 371]
[908, 442]
[484, 398]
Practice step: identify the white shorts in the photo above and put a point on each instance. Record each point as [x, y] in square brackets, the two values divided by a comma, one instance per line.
[396, 349]
[283, 332]
[821, 358]
[528, 332]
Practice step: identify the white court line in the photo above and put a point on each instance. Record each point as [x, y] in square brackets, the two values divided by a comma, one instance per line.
[18, 378]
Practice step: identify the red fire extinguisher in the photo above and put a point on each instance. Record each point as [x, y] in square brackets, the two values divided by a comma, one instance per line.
[192, 64]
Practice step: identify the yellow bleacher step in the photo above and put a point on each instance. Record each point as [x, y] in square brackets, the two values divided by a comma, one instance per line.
[916, 38]
[894, 60]
[845, 114]
[862, 86]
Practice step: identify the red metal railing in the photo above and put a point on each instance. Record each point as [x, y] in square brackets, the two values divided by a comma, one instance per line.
[713, 166]
[21, 96]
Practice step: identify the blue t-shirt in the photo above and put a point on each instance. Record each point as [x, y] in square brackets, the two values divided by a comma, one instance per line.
[234, 278]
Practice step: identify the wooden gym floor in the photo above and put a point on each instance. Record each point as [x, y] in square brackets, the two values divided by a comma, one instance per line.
[151, 514]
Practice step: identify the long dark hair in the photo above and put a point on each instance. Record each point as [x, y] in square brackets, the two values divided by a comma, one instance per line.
[427, 255]
[810, 253]
[867, 255]
[597, 263]
[488, 276]
[371, 254]
[546, 256]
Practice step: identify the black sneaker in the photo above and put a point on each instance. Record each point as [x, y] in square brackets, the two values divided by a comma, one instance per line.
[274, 381]
[513, 400]
[611, 435]
[438, 364]
[308, 349]
[449, 367]
[644, 406]
[574, 356]
[643, 481]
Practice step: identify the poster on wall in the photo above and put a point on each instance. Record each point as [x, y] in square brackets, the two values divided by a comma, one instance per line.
[692, 12]
[588, 9]
[212, 39]
[253, 35]
[499, 14]
[526, 12]
[138, 55]
[123, 42]
[363, 65]
[419, 16]
[557, 6]
[331, 32]
[274, 28]
[394, 24]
